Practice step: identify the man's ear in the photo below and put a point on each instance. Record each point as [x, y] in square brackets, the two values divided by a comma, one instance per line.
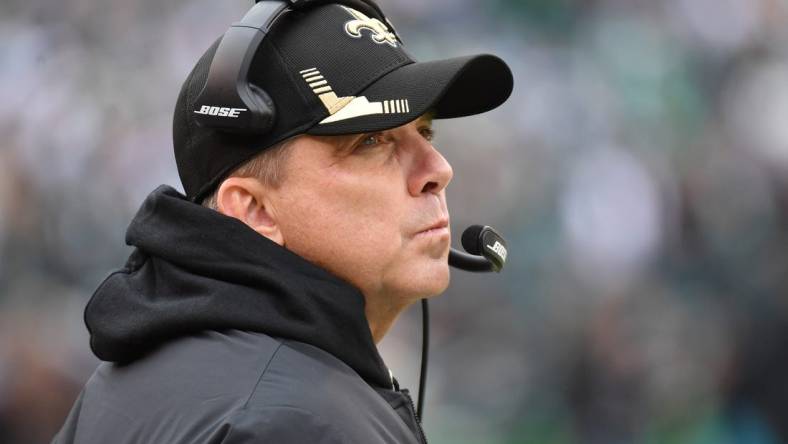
[248, 200]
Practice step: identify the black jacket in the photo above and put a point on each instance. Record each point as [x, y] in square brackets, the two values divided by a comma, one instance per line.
[214, 334]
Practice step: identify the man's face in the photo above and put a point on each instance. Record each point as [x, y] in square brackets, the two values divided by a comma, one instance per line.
[370, 208]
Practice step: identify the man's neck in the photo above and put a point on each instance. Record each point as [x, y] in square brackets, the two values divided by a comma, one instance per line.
[381, 317]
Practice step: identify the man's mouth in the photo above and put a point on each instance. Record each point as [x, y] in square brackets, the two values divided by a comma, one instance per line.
[439, 228]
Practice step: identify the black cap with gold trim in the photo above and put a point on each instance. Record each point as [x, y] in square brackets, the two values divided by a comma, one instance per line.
[329, 70]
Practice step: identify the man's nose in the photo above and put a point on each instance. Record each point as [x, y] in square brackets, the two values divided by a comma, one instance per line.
[431, 172]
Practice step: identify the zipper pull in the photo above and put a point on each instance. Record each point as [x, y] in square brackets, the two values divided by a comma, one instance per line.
[394, 382]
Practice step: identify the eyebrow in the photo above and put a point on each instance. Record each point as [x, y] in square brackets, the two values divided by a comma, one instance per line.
[427, 117]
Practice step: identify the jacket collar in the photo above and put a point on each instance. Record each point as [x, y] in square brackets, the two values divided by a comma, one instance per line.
[194, 269]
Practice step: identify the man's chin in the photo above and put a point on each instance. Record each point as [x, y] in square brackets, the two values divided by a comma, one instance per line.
[431, 280]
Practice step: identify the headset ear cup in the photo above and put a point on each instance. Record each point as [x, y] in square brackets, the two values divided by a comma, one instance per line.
[264, 114]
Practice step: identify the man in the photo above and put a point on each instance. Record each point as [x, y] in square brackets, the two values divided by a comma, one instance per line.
[253, 317]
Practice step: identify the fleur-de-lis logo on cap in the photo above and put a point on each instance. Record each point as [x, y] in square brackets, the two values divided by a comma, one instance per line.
[378, 30]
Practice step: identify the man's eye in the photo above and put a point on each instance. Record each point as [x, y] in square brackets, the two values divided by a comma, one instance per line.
[428, 133]
[370, 140]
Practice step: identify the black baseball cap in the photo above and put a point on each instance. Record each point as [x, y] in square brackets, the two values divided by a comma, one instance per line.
[331, 70]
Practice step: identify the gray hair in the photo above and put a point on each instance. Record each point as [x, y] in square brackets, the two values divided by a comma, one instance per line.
[268, 167]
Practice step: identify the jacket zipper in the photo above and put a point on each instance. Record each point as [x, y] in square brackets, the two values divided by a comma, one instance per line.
[412, 409]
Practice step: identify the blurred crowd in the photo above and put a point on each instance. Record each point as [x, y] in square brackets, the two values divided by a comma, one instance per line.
[639, 173]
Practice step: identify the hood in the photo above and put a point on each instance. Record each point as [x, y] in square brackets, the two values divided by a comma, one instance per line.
[194, 269]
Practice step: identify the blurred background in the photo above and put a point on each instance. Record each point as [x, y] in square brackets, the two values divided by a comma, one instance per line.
[639, 173]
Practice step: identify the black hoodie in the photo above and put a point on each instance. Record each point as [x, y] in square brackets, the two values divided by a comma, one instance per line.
[213, 333]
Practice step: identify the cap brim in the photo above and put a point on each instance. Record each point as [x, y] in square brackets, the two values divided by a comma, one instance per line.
[454, 87]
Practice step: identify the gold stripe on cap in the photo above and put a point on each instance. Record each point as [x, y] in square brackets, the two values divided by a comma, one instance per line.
[322, 89]
[303, 71]
[318, 83]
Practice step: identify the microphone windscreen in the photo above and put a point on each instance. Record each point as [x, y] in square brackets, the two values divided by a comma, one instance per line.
[471, 240]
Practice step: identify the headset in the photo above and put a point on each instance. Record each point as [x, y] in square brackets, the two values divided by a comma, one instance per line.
[252, 108]
[255, 113]
[486, 251]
